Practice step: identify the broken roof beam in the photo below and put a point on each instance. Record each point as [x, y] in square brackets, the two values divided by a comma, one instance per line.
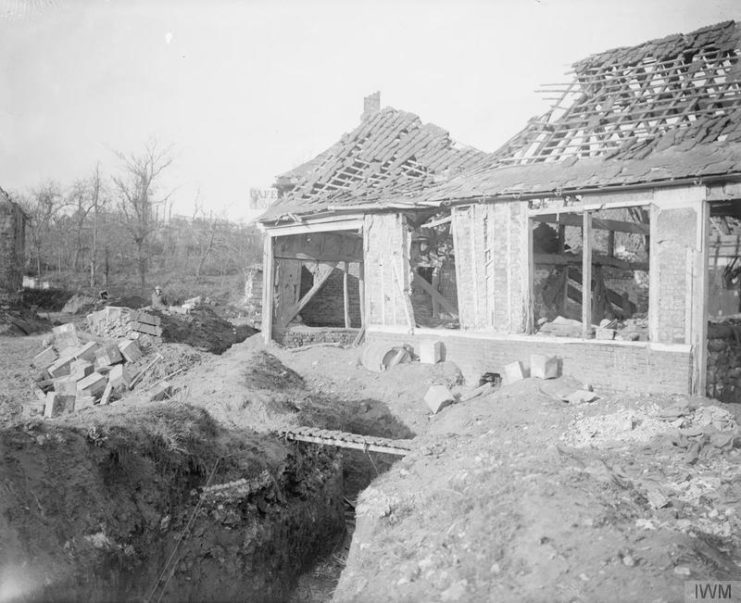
[571, 219]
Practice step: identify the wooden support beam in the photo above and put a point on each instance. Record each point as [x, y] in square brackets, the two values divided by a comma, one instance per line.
[404, 293]
[346, 294]
[568, 259]
[320, 277]
[574, 219]
[268, 279]
[320, 247]
[436, 296]
[586, 268]
[361, 292]
[438, 222]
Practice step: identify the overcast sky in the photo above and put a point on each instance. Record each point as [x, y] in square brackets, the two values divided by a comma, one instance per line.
[247, 90]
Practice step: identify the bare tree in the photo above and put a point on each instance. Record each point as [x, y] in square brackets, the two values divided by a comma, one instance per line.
[137, 195]
[42, 206]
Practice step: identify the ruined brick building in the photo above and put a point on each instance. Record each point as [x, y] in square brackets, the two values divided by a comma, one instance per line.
[630, 183]
[12, 246]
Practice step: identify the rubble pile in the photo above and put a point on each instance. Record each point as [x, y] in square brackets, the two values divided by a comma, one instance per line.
[724, 360]
[72, 375]
[688, 427]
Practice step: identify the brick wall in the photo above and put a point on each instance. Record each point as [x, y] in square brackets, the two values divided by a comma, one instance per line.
[12, 244]
[609, 367]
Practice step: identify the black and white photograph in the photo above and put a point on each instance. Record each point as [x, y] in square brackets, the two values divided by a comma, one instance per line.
[369, 301]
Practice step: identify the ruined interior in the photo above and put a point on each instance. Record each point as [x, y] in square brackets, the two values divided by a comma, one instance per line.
[618, 257]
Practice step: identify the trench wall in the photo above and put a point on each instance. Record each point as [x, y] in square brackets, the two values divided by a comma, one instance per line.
[609, 367]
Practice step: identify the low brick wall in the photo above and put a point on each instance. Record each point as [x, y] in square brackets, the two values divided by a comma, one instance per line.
[295, 337]
[607, 366]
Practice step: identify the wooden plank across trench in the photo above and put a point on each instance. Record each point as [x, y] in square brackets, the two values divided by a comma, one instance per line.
[343, 439]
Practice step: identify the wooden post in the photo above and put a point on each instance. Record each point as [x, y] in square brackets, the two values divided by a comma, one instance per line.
[268, 276]
[561, 238]
[611, 244]
[346, 293]
[436, 287]
[361, 291]
[586, 277]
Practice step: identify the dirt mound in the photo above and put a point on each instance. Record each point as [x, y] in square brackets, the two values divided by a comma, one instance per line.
[494, 506]
[97, 509]
[202, 329]
[49, 300]
[79, 304]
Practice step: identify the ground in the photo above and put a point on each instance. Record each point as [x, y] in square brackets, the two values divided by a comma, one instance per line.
[510, 496]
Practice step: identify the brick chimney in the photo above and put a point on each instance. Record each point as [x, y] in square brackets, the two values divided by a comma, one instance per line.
[371, 105]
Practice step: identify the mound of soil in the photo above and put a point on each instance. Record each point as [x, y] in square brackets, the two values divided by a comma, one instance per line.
[202, 329]
[49, 300]
[98, 506]
[494, 505]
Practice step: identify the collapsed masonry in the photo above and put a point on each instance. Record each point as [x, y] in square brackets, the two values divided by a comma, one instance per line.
[73, 375]
[605, 232]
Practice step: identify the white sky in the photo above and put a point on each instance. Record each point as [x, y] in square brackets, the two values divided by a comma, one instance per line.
[247, 90]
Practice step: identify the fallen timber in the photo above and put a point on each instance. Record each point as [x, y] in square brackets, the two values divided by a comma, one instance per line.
[343, 439]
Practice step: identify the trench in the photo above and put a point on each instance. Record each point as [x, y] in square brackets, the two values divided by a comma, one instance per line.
[118, 511]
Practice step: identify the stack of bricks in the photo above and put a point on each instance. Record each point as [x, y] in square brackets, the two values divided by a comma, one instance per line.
[148, 324]
[72, 375]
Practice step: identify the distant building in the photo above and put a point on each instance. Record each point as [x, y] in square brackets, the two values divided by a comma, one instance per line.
[12, 246]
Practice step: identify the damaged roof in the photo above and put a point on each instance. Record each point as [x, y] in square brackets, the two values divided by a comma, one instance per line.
[664, 111]
[390, 153]
[628, 102]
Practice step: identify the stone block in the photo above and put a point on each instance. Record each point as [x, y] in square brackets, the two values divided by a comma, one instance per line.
[148, 319]
[108, 355]
[129, 350]
[148, 329]
[87, 351]
[438, 397]
[65, 336]
[162, 392]
[544, 367]
[514, 372]
[44, 359]
[65, 386]
[106, 397]
[431, 352]
[92, 385]
[80, 369]
[61, 367]
[120, 376]
[55, 404]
